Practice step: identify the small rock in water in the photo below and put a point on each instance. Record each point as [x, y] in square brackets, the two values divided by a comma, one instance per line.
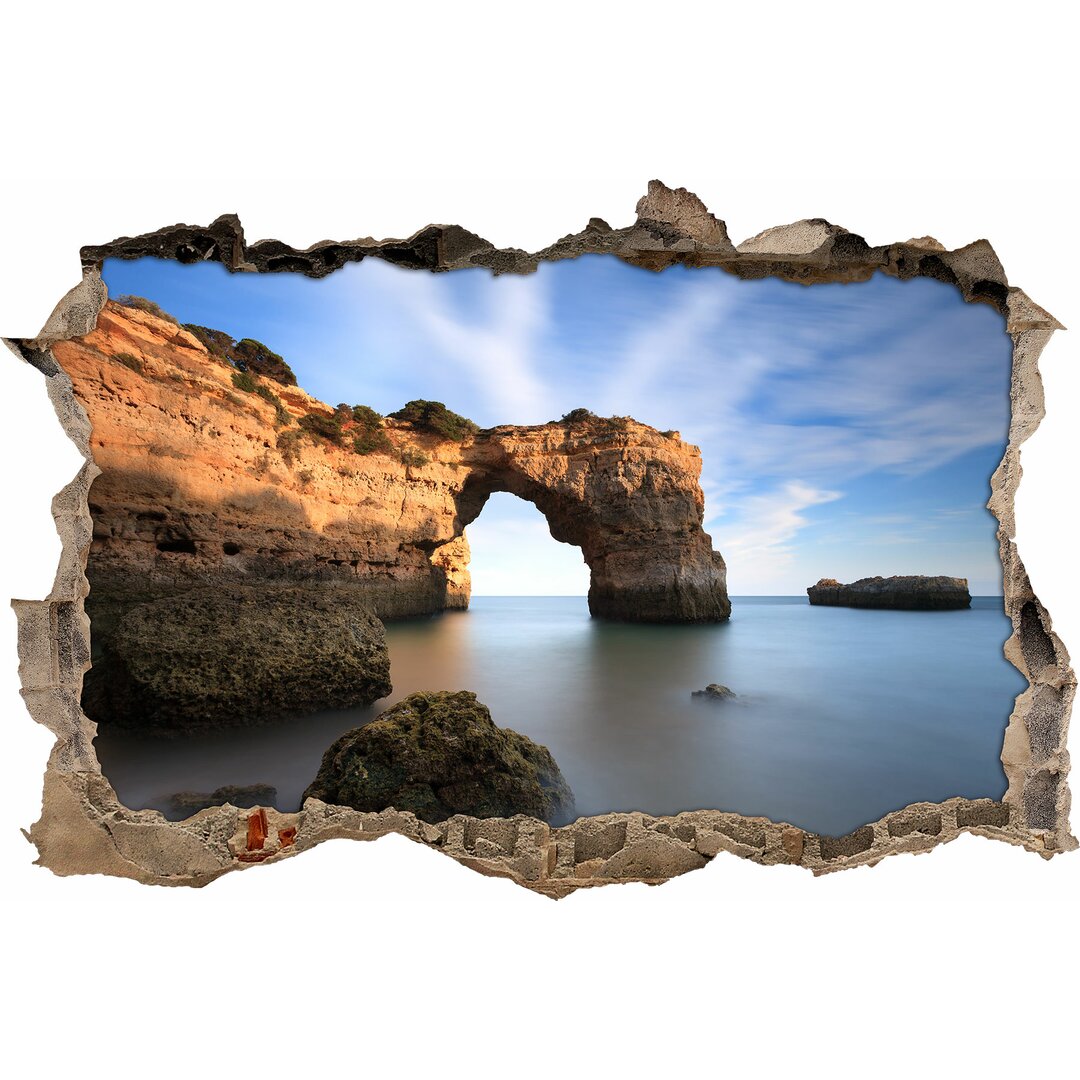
[245, 796]
[714, 692]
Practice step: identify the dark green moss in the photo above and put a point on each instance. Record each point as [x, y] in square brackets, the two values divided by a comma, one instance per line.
[437, 754]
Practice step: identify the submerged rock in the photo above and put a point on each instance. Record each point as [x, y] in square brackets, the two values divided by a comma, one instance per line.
[912, 593]
[714, 692]
[437, 754]
[244, 796]
[237, 655]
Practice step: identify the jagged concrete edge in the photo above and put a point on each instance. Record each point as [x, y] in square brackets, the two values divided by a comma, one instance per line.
[85, 829]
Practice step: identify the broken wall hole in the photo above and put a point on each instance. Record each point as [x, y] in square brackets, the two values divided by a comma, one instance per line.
[672, 228]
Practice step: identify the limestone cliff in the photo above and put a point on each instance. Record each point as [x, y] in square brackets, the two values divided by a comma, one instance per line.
[207, 481]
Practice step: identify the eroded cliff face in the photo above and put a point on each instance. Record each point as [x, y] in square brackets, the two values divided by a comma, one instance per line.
[203, 483]
[625, 494]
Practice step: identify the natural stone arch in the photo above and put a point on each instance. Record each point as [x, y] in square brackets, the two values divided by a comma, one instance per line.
[626, 495]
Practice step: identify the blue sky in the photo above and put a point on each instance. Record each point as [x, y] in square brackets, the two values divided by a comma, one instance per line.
[846, 430]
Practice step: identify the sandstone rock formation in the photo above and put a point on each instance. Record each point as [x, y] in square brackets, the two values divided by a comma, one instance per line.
[237, 654]
[439, 754]
[913, 593]
[205, 483]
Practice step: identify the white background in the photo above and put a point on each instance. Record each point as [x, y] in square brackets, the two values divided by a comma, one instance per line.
[314, 122]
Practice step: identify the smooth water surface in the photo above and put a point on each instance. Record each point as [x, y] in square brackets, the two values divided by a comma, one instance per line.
[842, 714]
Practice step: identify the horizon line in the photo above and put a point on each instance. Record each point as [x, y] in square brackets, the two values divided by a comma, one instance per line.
[584, 596]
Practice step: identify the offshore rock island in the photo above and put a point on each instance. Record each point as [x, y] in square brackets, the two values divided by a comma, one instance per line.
[220, 475]
[911, 593]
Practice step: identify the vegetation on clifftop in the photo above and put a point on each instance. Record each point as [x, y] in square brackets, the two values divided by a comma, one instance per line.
[586, 416]
[436, 419]
[141, 303]
[247, 355]
[357, 427]
[370, 437]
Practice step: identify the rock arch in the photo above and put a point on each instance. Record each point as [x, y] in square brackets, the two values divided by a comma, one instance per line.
[626, 495]
[219, 494]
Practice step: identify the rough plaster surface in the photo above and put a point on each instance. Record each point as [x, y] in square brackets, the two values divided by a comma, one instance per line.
[85, 829]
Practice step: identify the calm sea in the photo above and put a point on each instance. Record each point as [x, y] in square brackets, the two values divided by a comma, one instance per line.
[842, 715]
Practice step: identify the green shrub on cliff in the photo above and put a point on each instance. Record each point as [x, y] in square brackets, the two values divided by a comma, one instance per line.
[412, 458]
[578, 416]
[248, 355]
[322, 428]
[216, 342]
[243, 381]
[435, 418]
[141, 303]
[372, 441]
[251, 355]
[587, 416]
[288, 445]
[129, 361]
[366, 416]
[369, 436]
[281, 415]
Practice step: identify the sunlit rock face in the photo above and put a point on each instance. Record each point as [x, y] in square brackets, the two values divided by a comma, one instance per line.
[205, 482]
[627, 495]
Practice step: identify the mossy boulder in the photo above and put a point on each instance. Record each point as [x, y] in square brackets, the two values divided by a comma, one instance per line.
[437, 754]
[235, 655]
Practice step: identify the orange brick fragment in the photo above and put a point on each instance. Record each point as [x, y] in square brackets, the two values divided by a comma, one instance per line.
[258, 829]
[287, 837]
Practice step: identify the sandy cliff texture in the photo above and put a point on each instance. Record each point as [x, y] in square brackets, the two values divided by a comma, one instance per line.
[205, 484]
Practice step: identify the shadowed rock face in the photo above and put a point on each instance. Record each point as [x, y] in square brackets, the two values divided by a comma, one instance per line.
[200, 487]
[236, 655]
[438, 754]
[912, 593]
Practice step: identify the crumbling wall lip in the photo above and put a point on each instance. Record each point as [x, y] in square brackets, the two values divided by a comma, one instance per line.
[85, 829]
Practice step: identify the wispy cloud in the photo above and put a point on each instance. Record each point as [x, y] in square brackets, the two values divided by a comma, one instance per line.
[496, 346]
[758, 547]
[892, 395]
